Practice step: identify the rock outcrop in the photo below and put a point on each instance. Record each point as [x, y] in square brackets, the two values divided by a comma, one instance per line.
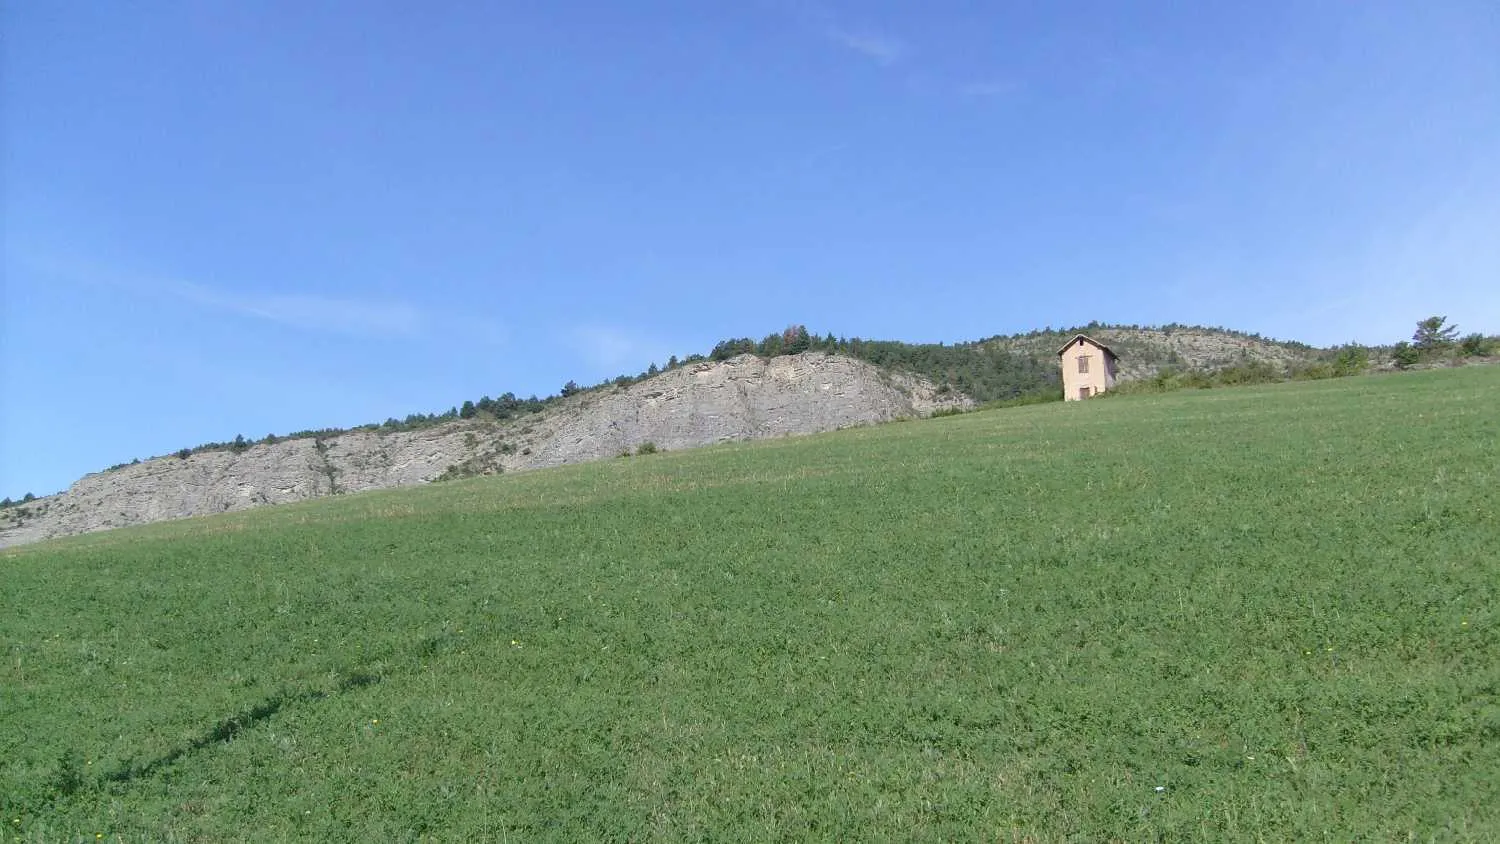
[697, 404]
[1146, 351]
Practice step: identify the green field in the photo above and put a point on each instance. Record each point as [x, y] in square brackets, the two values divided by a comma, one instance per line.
[1257, 613]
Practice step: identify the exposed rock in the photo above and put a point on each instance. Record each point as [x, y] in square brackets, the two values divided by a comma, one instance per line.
[1146, 351]
[698, 404]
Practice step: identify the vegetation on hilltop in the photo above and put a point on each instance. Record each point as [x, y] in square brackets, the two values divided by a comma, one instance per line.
[1004, 369]
[1435, 340]
[1268, 616]
[8, 502]
[980, 373]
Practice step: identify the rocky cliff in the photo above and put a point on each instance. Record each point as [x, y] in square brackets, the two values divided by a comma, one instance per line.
[738, 399]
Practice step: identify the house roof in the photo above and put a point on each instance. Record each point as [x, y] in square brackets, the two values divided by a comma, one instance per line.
[1091, 341]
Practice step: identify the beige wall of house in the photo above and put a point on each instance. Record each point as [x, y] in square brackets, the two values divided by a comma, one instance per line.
[1094, 375]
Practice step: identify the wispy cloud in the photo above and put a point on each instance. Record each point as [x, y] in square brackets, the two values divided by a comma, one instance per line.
[994, 88]
[367, 318]
[877, 46]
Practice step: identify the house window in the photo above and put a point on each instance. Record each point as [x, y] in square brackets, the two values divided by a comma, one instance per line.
[1083, 365]
[1083, 392]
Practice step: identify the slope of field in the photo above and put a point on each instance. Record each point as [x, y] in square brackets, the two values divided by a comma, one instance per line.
[1259, 613]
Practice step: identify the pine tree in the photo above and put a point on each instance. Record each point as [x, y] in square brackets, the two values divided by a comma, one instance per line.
[1432, 335]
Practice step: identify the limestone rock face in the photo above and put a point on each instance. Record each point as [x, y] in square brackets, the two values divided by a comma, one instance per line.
[739, 399]
[697, 404]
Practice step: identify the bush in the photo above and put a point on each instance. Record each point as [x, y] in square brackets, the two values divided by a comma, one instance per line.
[646, 448]
[1352, 360]
[1474, 346]
[1314, 372]
[1405, 354]
[1247, 373]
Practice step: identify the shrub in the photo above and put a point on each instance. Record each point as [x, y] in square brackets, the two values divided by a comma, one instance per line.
[1405, 354]
[1314, 372]
[1352, 360]
[1473, 346]
[1254, 372]
[646, 448]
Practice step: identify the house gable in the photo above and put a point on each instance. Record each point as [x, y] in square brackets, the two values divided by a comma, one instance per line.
[1080, 339]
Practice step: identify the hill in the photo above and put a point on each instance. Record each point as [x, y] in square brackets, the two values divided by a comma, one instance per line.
[1147, 350]
[691, 405]
[1009, 367]
[1261, 613]
[790, 382]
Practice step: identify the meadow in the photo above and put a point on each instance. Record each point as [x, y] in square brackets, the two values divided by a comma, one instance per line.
[1260, 613]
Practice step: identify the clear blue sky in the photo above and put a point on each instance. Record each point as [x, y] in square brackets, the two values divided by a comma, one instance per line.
[255, 217]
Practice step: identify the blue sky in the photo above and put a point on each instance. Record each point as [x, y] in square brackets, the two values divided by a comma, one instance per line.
[256, 217]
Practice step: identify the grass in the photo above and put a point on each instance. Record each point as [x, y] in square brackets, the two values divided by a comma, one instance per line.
[1259, 613]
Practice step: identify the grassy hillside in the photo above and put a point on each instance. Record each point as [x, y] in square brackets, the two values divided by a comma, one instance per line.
[1261, 613]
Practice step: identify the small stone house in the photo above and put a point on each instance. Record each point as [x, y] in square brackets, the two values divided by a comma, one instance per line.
[1088, 367]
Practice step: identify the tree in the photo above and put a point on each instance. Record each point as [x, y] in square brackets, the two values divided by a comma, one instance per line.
[771, 347]
[795, 339]
[727, 349]
[1352, 360]
[467, 411]
[1433, 335]
[1405, 354]
[570, 388]
[28, 498]
[1473, 346]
